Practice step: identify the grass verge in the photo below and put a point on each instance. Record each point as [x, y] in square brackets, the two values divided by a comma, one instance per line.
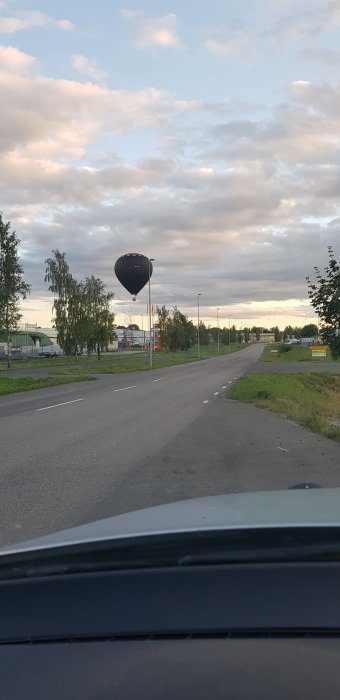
[124, 365]
[309, 398]
[12, 385]
[121, 359]
[133, 363]
[291, 353]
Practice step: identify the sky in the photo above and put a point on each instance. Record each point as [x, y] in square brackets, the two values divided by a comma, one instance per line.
[203, 135]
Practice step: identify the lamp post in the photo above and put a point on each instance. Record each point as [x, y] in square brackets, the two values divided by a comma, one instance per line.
[143, 336]
[218, 331]
[198, 324]
[150, 314]
[229, 333]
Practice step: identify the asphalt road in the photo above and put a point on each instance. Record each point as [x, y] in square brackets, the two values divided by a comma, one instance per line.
[75, 453]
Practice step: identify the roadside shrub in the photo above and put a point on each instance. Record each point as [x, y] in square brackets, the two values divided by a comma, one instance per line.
[285, 348]
[263, 394]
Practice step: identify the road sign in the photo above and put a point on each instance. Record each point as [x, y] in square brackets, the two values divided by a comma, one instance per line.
[319, 351]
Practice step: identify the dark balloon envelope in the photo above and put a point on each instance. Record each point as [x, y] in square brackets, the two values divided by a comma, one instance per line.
[133, 271]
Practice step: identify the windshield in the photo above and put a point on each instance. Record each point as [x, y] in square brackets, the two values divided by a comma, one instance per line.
[169, 256]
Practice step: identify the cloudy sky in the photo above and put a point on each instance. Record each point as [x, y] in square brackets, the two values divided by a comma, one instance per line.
[203, 134]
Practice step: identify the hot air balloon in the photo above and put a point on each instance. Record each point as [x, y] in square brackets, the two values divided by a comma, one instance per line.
[133, 271]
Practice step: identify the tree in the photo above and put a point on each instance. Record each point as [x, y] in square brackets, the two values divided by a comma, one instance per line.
[277, 334]
[69, 313]
[82, 309]
[133, 327]
[309, 331]
[204, 334]
[12, 285]
[257, 331]
[98, 319]
[177, 331]
[324, 296]
[246, 335]
[288, 332]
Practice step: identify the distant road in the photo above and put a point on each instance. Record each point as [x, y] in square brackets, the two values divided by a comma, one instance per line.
[67, 451]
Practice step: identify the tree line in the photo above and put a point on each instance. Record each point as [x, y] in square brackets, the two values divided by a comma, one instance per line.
[83, 318]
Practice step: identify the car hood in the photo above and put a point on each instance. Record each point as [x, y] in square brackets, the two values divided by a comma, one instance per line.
[301, 507]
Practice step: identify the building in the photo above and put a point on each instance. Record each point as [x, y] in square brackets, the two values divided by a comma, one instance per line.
[51, 333]
[263, 337]
[28, 343]
[127, 337]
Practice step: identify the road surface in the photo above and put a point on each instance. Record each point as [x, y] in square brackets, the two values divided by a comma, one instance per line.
[76, 453]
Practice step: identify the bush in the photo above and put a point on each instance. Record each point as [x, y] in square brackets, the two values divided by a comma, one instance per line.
[263, 394]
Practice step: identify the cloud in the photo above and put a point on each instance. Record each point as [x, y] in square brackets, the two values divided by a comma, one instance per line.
[32, 19]
[242, 211]
[14, 61]
[237, 43]
[327, 57]
[290, 24]
[131, 14]
[88, 67]
[154, 31]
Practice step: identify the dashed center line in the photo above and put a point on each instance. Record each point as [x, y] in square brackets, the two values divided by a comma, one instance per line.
[224, 387]
[46, 408]
[231, 381]
[216, 393]
[126, 387]
[158, 380]
[206, 401]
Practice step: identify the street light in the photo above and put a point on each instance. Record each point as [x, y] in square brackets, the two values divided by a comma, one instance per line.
[218, 331]
[150, 314]
[198, 324]
[229, 333]
[143, 336]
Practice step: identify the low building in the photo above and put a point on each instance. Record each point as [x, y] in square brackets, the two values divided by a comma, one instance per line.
[30, 343]
[263, 337]
[267, 337]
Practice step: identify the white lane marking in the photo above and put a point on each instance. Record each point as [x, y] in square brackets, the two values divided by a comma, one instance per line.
[224, 387]
[159, 380]
[235, 377]
[281, 448]
[126, 387]
[46, 408]
[206, 401]
[216, 393]
[230, 382]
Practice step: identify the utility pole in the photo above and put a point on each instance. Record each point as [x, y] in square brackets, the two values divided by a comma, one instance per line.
[198, 324]
[150, 315]
[218, 331]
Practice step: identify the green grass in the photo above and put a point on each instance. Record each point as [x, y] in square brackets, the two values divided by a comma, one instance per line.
[120, 364]
[12, 385]
[293, 353]
[47, 362]
[128, 361]
[309, 398]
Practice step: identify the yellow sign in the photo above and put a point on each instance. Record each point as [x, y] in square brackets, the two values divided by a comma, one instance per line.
[319, 350]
